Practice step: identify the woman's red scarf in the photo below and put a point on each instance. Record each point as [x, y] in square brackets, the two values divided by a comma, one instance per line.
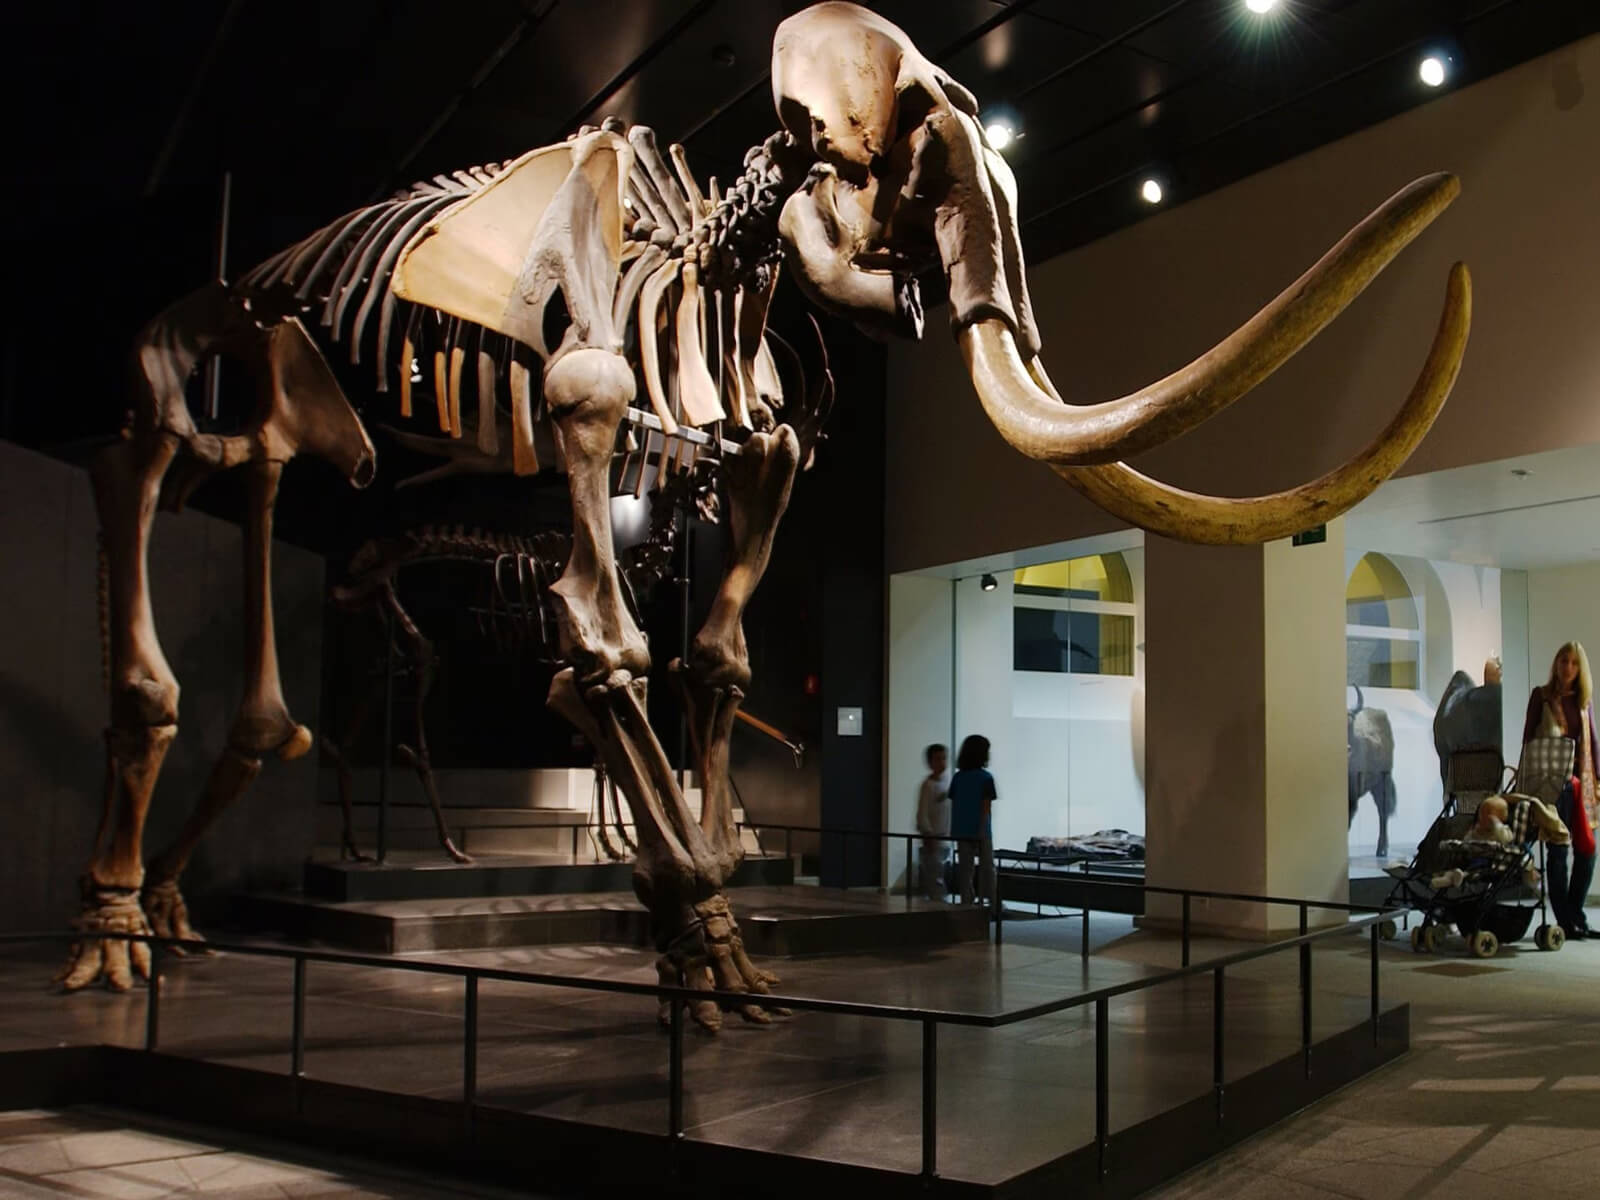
[1582, 812]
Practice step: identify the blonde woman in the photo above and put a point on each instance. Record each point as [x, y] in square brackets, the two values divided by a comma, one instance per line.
[1564, 707]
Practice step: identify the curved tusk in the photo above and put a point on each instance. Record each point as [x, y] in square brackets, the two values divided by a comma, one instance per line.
[1037, 425]
[649, 353]
[1223, 521]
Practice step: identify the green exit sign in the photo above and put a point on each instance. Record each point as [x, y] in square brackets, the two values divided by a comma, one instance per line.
[1311, 537]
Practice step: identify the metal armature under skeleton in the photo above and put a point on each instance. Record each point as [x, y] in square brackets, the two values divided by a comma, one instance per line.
[583, 273]
[509, 575]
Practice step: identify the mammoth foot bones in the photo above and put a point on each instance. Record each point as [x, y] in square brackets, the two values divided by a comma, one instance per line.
[156, 911]
[708, 955]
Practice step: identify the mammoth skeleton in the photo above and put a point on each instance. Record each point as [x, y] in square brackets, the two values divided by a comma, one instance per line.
[600, 265]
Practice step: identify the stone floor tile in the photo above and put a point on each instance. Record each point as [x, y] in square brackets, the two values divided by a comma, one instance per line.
[1367, 1180]
[102, 1148]
[35, 1158]
[123, 1181]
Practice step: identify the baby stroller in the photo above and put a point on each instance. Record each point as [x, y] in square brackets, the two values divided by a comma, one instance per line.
[1482, 887]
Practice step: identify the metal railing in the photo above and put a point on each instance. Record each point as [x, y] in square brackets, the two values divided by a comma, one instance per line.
[1187, 897]
[929, 1019]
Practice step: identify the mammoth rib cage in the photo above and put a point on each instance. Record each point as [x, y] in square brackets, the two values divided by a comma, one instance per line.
[344, 270]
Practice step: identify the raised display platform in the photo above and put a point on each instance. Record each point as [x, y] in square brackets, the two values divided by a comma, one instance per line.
[429, 875]
[572, 1086]
[782, 920]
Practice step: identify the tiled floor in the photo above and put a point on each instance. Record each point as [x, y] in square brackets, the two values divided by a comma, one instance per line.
[1499, 1097]
[102, 1153]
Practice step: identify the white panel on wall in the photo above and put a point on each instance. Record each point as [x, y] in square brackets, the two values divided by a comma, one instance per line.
[921, 647]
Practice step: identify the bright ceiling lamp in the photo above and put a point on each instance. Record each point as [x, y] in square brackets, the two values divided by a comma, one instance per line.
[1150, 191]
[1261, 6]
[1432, 70]
[999, 133]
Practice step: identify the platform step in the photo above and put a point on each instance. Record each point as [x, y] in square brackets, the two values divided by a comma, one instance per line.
[427, 875]
[489, 831]
[775, 921]
[481, 787]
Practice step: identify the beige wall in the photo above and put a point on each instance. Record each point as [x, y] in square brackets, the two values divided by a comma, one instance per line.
[1304, 662]
[1131, 307]
[1205, 766]
[1563, 606]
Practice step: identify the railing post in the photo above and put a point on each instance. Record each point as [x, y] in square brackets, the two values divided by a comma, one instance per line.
[1373, 931]
[152, 1009]
[297, 1042]
[930, 1098]
[469, 1049]
[844, 858]
[994, 893]
[908, 870]
[675, 1072]
[1186, 929]
[387, 751]
[1305, 997]
[1085, 950]
[1217, 1078]
[1102, 1083]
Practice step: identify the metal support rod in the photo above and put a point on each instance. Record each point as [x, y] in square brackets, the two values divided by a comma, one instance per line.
[994, 894]
[214, 363]
[386, 751]
[844, 858]
[297, 1041]
[1085, 950]
[675, 1072]
[152, 1002]
[788, 844]
[908, 870]
[1186, 929]
[685, 599]
[1102, 1082]
[1217, 1061]
[469, 1048]
[930, 1098]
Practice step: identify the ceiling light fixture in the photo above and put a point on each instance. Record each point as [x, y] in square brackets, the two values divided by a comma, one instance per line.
[988, 583]
[1261, 6]
[1432, 70]
[1150, 191]
[999, 133]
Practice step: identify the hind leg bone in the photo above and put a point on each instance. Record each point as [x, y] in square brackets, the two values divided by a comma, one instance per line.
[144, 713]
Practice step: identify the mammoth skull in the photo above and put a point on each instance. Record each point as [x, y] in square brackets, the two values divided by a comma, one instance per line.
[900, 174]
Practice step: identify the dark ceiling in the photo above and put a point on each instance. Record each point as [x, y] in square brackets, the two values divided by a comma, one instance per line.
[125, 116]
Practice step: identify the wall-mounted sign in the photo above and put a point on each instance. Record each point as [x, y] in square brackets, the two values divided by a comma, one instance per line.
[1311, 537]
[849, 722]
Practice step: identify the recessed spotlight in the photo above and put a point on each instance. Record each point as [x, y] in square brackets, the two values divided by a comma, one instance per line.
[1150, 191]
[1432, 70]
[1261, 6]
[988, 583]
[999, 133]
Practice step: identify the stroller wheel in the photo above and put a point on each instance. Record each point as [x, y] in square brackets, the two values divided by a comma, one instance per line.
[1388, 930]
[1550, 937]
[1421, 942]
[1485, 944]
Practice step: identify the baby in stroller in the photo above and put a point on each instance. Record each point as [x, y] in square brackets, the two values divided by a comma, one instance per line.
[1475, 871]
[1498, 840]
